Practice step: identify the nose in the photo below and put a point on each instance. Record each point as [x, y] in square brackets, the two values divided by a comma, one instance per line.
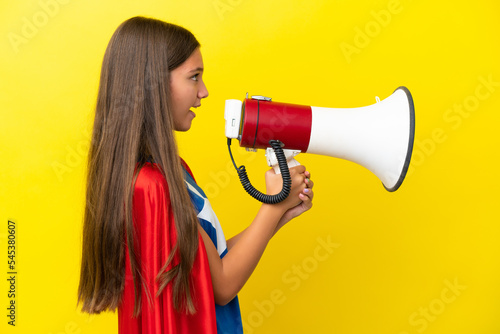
[202, 92]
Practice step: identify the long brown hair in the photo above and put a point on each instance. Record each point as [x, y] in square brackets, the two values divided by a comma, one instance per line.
[132, 122]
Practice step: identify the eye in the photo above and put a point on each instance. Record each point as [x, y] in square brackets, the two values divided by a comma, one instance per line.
[195, 77]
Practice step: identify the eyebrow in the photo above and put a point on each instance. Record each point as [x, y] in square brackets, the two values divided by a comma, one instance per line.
[198, 69]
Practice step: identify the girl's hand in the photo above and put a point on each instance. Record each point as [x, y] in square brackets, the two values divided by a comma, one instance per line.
[306, 197]
[274, 184]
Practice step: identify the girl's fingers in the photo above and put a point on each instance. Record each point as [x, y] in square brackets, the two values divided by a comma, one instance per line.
[306, 200]
[309, 183]
[307, 193]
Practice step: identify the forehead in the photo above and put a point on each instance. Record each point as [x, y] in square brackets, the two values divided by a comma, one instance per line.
[194, 62]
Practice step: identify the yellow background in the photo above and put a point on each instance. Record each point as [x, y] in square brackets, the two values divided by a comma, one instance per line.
[393, 256]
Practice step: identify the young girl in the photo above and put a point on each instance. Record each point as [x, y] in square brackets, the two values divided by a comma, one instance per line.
[152, 246]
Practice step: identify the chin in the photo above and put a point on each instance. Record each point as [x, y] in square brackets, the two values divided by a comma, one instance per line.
[183, 128]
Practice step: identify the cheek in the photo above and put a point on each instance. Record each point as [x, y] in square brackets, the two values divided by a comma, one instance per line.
[182, 96]
[176, 100]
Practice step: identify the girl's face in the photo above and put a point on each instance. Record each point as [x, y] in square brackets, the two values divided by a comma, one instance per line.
[187, 89]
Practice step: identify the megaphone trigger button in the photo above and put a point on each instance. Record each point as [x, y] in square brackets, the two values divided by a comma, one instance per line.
[261, 98]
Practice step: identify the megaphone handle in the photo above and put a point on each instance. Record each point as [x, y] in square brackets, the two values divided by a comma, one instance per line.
[291, 163]
[287, 180]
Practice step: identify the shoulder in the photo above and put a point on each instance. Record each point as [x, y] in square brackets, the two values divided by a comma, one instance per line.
[186, 167]
[150, 179]
[151, 196]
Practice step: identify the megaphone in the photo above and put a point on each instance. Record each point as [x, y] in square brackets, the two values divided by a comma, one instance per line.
[378, 137]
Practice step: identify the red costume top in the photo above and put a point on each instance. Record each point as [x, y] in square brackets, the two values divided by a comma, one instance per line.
[155, 239]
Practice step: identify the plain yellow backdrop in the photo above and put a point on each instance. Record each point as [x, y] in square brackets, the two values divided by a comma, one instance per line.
[424, 259]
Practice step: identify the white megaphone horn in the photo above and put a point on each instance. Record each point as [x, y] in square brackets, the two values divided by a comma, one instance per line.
[378, 137]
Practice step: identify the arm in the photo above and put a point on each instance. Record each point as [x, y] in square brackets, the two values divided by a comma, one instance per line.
[245, 250]
[230, 273]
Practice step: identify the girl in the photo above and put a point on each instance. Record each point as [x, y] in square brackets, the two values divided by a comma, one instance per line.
[152, 246]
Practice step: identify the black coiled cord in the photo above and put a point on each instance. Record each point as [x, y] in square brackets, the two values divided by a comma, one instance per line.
[285, 174]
